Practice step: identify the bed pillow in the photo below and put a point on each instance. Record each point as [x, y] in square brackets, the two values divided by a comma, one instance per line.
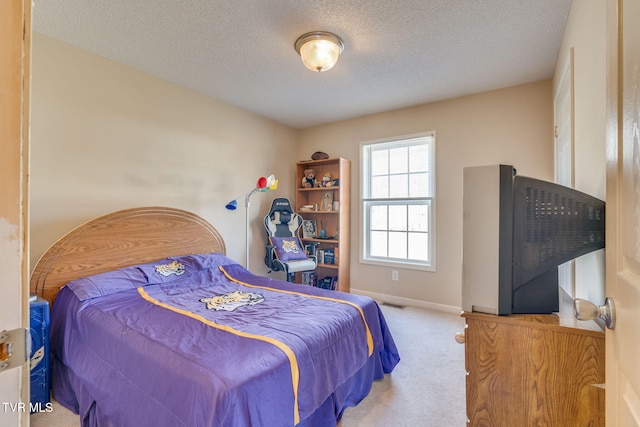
[163, 271]
[288, 248]
[210, 260]
[181, 267]
[107, 283]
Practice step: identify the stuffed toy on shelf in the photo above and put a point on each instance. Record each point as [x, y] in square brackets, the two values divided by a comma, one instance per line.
[309, 178]
[326, 181]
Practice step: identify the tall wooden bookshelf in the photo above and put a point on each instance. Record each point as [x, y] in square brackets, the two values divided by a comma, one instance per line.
[319, 204]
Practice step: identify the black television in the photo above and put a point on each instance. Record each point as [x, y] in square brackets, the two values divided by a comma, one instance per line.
[516, 232]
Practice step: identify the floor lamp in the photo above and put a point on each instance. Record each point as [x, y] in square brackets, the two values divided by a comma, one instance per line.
[263, 184]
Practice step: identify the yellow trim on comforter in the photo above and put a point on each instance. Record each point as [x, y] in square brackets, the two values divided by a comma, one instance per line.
[293, 362]
[357, 307]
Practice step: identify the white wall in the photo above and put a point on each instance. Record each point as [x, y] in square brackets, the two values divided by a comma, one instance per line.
[585, 34]
[106, 137]
[509, 126]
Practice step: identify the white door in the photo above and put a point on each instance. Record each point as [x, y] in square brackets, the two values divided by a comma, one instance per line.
[15, 36]
[623, 212]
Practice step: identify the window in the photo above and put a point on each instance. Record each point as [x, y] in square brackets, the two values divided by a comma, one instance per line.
[398, 196]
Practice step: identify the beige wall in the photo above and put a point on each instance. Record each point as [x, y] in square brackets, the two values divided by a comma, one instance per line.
[508, 126]
[585, 36]
[106, 137]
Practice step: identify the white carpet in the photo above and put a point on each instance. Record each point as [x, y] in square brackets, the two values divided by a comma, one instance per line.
[427, 388]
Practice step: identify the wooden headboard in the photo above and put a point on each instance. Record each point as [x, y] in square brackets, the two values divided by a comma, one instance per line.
[120, 239]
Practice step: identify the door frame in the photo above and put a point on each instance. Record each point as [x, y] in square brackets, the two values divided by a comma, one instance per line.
[565, 169]
[15, 76]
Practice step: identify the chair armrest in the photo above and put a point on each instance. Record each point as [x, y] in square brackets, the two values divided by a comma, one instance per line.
[270, 260]
[312, 248]
[270, 250]
[278, 265]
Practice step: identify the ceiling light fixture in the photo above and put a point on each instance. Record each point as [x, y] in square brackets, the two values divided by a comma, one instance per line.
[319, 50]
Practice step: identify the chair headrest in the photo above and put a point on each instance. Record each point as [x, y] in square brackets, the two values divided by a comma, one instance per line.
[281, 220]
[281, 217]
[281, 205]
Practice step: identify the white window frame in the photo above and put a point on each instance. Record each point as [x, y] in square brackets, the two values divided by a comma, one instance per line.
[365, 201]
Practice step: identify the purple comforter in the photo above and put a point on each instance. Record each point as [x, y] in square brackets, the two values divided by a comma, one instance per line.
[200, 341]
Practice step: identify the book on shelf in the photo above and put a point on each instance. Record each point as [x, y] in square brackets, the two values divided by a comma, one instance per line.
[326, 256]
[329, 257]
[309, 278]
[329, 282]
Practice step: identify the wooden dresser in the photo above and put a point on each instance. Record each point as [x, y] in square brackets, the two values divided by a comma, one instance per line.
[534, 370]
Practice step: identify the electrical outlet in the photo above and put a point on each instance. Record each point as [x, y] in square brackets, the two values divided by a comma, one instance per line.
[394, 275]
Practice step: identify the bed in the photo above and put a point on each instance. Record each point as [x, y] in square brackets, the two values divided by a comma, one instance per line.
[152, 324]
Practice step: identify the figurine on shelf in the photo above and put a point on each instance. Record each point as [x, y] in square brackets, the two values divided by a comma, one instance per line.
[323, 231]
[326, 180]
[309, 178]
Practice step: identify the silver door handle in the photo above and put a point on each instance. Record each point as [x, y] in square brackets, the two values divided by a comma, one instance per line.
[586, 310]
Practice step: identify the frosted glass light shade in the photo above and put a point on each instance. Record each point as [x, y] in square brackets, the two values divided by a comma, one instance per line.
[319, 50]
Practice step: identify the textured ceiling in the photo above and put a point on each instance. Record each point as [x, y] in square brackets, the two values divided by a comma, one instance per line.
[398, 53]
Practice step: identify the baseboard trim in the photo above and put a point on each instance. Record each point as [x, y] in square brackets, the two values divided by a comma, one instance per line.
[381, 298]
